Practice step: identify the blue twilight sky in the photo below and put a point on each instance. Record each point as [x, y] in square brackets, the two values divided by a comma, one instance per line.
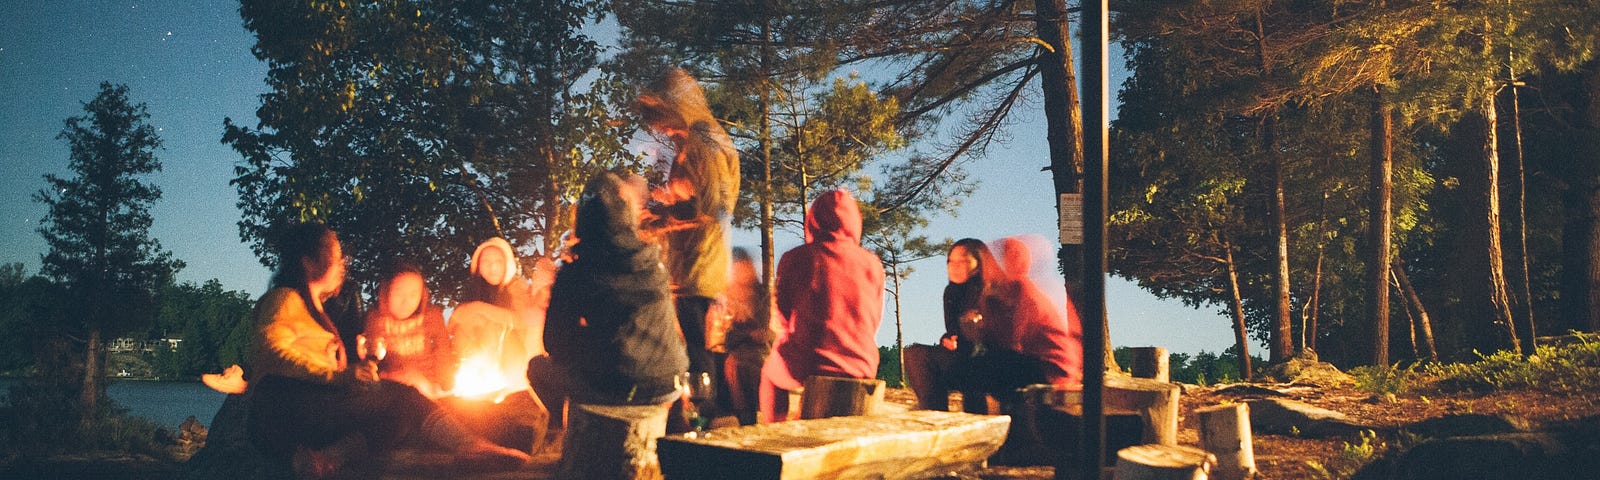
[190, 62]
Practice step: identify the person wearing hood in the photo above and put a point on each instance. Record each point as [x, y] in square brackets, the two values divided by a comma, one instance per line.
[693, 211]
[829, 294]
[610, 326]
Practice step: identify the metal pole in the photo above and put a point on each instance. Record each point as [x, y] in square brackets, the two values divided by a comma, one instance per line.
[1093, 311]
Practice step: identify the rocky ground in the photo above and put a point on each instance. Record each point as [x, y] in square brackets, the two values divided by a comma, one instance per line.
[1519, 428]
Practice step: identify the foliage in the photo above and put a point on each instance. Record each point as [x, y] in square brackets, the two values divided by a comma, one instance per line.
[1570, 369]
[889, 365]
[98, 221]
[41, 417]
[1352, 456]
[419, 129]
[213, 323]
[1202, 368]
[1386, 379]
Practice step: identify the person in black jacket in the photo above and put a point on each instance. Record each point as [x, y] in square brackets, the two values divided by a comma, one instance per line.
[610, 330]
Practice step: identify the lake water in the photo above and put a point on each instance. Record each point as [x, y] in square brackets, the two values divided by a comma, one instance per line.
[166, 403]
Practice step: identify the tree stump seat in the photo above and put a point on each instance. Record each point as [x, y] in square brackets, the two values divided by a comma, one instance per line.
[902, 445]
[824, 396]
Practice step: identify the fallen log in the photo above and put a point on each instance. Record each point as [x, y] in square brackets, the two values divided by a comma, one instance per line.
[905, 445]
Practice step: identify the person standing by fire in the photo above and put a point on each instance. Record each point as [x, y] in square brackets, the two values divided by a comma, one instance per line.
[311, 407]
[694, 210]
[612, 336]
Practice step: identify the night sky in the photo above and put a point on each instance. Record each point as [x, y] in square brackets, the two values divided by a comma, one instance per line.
[190, 62]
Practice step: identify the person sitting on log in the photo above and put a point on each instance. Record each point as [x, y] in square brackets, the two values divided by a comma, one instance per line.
[830, 300]
[934, 370]
[1029, 338]
[499, 324]
[749, 338]
[611, 332]
[306, 396]
[407, 332]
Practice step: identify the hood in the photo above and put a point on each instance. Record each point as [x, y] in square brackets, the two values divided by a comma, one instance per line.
[607, 223]
[1014, 253]
[675, 98]
[834, 216]
[506, 252]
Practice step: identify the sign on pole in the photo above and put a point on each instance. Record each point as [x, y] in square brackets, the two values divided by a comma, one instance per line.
[1070, 209]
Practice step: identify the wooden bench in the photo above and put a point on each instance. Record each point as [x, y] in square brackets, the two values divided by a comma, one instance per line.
[903, 445]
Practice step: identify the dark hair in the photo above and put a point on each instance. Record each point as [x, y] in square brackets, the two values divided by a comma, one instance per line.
[988, 271]
[396, 269]
[301, 241]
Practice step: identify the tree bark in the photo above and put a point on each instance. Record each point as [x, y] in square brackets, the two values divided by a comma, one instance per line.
[1423, 323]
[1064, 133]
[1241, 336]
[1282, 346]
[1380, 218]
[1523, 298]
[1492, 330]
[89, 397]
[769, 264]
[1580, 289]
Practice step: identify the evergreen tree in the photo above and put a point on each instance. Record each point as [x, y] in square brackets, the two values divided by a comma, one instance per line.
[97, 228]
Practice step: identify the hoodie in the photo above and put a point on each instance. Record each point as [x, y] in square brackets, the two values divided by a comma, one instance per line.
[830, 295]
[1034, 325]
[611, 321]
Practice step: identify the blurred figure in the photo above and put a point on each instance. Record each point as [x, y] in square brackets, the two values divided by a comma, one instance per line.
[750, 336]
[934, 370]
[309, 405]
[499, 325]
[613, 338]
[411, 332]
[694, 210]
[830, 300]
[1046, 329]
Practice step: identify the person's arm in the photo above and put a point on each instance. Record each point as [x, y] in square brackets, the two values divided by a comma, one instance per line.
[563, 319]
[304, 347]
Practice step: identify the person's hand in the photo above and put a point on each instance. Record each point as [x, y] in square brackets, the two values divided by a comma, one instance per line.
[972, 316]
[948, 342]
[231, 381]
[367, 372]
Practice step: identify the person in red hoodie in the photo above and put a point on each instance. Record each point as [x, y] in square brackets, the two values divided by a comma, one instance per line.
[1039, 328]
[830, 300]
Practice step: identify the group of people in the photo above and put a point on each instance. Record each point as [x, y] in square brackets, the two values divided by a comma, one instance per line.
[649, 304]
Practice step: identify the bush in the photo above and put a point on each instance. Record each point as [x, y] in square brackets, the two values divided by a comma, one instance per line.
[1380, 380]
[1572, 369]
[42, 418]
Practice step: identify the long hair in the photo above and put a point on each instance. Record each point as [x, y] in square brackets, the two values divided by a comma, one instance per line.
[988, 274]
[300, 242]
[396, 269]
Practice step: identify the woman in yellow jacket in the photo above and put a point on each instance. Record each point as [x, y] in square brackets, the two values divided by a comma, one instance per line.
[306, 396]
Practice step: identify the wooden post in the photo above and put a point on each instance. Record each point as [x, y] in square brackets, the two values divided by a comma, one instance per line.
[1163, 462]
[1150, 362]
[1156, 402]
[838, 396]
[1225, 432]
[606, 441]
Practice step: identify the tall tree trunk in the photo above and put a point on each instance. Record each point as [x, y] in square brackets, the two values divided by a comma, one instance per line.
[1379, 221]
[1282, 346]
[1494, 331]
[1522, 296]
[1423, 323]
[1308, 331]
[1411, 320]
[89, 397]
[899, 325]
[1241, 337]
[1064, 132]
[769, 264]
[1580, 283]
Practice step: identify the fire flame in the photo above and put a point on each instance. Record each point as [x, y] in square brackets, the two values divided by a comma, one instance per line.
[479, 376]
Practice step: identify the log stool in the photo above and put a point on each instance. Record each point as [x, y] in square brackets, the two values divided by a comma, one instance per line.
[826, 396]
[612, 442]
[1163, 462]
[1225, 432]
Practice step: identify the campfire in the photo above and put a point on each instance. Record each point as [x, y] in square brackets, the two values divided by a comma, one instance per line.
[481, 377]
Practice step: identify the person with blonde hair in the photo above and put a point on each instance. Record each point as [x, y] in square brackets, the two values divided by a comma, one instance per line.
[693, 211]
